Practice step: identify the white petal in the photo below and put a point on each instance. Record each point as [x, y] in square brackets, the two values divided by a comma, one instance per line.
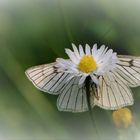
[94, 49]
[66, 65]
[63, 62]
[99, 53]
[81, 51]
[71, 56]
[83, 78]
[88, 50]
[101, 50]
[76, 51]
[94, 78]
[60, 62]
[109, 52]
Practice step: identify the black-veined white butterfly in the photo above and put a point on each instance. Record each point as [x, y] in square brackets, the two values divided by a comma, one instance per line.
[90, 77]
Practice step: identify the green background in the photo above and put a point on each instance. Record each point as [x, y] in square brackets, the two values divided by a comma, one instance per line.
[34, 32]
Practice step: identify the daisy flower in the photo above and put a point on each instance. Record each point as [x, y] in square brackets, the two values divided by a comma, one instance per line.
[89, 62]
[89, 77]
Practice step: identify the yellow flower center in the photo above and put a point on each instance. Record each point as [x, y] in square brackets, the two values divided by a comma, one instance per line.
[87, 64]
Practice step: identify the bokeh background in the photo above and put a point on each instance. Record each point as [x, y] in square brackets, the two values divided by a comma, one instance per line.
[34, 32]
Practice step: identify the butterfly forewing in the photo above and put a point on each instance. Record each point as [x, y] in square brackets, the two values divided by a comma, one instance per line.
[46, 78]
[128, 70]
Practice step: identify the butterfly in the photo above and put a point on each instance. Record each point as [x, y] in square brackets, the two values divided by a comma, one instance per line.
[90, 77]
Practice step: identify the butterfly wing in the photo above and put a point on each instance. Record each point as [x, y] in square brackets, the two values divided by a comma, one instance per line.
[73, 97]
[46, 78]
[128, 70]
[113, 93]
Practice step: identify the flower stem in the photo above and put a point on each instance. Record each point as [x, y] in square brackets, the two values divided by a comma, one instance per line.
[87, 85]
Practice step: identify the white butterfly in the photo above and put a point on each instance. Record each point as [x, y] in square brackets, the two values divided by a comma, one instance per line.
[90, 77]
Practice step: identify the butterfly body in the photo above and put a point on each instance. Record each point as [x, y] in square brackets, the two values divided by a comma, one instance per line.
[88, 93]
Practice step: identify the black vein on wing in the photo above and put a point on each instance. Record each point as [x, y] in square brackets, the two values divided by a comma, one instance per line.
[112, 91]
[77, 99]
[59, 83]
[63, 86]
[40, 72]
[123, 73]
[130, 73]
[130, 82]
[82, 97]
[118, 85]
[107, 92]
[36, 68]
[101, 91]
[135, 70]
[53, 77]
[123, 86]
[42, 79]
[131, 63]
[55, 81]
[66, 90]
[71, 90]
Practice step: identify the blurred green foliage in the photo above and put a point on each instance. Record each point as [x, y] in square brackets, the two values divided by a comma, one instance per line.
[36, 32]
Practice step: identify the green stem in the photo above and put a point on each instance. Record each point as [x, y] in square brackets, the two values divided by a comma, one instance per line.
[87, 85]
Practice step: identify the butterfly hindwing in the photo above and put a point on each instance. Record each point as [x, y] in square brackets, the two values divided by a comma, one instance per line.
[73, 97]
[113, 93]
